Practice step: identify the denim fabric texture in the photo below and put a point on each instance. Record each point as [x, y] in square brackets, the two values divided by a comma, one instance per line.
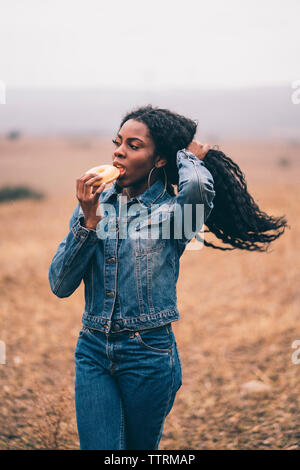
[127, 366]
[130, 282]
[125, 386]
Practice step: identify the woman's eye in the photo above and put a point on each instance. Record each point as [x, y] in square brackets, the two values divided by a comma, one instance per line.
[134, 147]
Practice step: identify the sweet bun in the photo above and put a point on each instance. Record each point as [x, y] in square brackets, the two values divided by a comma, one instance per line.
[108, 173]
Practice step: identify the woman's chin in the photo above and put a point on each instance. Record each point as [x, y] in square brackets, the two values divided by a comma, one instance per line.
[121, 180]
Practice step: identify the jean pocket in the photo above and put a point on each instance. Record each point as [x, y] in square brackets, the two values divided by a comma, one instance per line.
[86, 331]
[152, 233]
[81, 332]
[157, 339]
[147, 245]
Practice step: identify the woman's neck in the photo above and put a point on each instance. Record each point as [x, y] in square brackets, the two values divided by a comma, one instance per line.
[136, 189]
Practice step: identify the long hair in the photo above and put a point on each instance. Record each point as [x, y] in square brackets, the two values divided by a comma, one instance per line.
[235, 218]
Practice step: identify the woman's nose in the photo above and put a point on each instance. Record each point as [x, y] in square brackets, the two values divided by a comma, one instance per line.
[119, 152]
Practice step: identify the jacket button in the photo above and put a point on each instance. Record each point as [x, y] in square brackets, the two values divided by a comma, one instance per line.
[111, 260]
[111, 294]
[117, 327]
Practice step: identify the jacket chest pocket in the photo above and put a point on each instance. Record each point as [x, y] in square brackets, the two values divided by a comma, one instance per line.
[152, 234]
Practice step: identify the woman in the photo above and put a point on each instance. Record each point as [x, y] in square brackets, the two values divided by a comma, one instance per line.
[128, 369]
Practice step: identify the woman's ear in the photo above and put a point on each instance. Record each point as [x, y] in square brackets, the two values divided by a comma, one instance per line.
[160, 162]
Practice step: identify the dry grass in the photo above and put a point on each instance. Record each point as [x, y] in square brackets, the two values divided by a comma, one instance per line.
[239, 311]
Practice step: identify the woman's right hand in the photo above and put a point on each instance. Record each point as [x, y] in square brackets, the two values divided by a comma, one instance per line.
[88, 196]
[198, 149]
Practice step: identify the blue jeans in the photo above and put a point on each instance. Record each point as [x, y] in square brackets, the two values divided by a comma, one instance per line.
[125, 386]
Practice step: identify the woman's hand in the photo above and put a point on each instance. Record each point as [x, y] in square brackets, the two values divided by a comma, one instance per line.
[198, 149]
[88, 196]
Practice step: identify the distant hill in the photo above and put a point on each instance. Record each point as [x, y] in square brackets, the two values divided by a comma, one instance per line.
[243, 113]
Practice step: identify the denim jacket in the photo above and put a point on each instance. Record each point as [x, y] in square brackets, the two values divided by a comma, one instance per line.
[140, 270]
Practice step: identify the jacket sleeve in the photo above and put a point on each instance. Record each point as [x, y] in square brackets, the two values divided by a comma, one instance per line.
[194, 201]
[73, 254]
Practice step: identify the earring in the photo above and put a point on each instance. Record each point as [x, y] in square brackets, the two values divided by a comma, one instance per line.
[166, 181]
[149, 177]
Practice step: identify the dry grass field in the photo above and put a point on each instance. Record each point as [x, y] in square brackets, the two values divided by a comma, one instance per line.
[239, 310]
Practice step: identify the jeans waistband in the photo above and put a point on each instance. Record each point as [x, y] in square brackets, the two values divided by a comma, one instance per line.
[117, 332]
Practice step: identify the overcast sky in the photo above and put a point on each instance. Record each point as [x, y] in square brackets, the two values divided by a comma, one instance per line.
[150, 44]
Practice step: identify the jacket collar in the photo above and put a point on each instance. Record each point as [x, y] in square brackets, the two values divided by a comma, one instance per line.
[146, 198]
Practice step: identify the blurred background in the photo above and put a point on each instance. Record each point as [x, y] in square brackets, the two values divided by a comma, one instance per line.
[69, 71]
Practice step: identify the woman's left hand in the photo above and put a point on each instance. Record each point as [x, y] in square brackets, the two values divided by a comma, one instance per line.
[198, 149]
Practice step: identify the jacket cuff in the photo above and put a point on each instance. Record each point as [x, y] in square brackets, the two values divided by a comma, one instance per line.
[184, 153]
[82, 233]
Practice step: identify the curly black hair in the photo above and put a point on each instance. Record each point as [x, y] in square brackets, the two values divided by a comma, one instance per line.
[235, 219]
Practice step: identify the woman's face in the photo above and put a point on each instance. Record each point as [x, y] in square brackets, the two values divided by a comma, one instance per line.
[134, 153]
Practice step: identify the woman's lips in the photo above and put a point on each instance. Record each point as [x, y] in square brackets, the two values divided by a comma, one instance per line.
[121, 169]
